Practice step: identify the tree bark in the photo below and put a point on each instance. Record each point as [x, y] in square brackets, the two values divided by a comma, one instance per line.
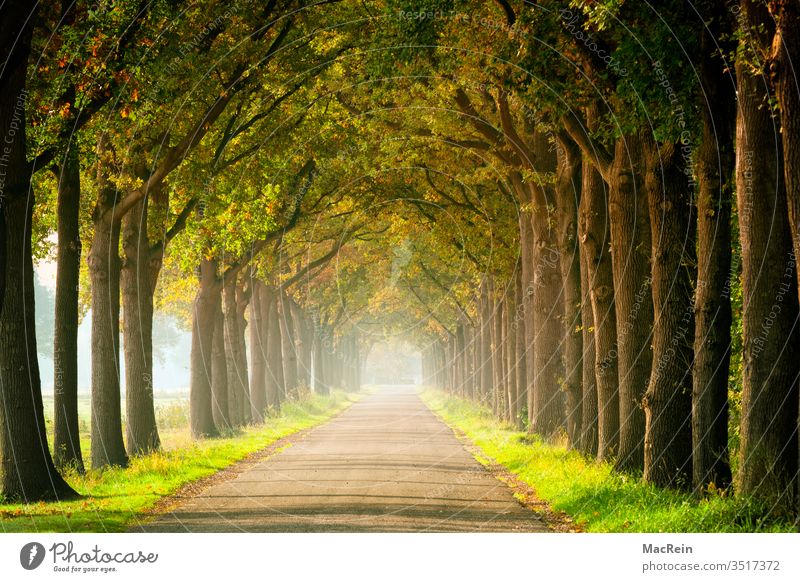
[528, 286]
[668, 401]
[275, 380]
[568, 194]
[303, 342]
[219, 367]
[630, 250]
[768, 439]
[235, 361]
[520, 347]
[288, 345]
[595, 242]
[27, 471]
[715, 167]
[138, 278]
[588, 433]
[783, 63]
[258, 354]
[104, 269]
[204, 315]
[242, 302]
[66, 435]
[785, 56]
[510, 352]
[498, 402]
[548, 400]
[318, 356]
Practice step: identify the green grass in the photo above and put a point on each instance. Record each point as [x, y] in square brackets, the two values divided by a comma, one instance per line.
[115, 497]
[597, 498]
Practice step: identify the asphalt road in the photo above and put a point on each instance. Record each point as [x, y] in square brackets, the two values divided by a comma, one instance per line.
[386, 464]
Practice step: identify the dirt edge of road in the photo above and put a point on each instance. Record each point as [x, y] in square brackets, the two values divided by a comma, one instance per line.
[556, 521]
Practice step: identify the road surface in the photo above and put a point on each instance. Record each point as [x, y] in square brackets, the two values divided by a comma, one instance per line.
[386, 464]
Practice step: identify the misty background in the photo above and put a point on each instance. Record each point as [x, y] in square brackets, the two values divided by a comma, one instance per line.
[393, 362]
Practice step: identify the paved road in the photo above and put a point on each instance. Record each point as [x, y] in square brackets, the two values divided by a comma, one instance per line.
[386, 464]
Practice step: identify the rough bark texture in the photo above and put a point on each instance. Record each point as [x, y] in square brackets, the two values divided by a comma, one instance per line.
[138, 279]
[219, 368]
[548, 399]
[595, 236]
[526, 243]
[203, 320]
[498, 361]
[668, 401]
[288, 346]
[587, 442]
[768, 445]
[510, 352]
[714, 167]
[485, 351]
[235, 359]
[318, 356]
[568, 193]
[630, 248]
[303, 341]
[275, 379]
[104, 270]
[27, 471]
[242, 303]
[520, 357]
[783, 68]
[258, 355]
[66, 437]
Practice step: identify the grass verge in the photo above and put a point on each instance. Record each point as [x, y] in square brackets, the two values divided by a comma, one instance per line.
[591, 493]
[115, 497]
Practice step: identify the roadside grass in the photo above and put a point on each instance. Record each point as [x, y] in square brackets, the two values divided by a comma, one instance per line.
[597, 498]
[114, 497]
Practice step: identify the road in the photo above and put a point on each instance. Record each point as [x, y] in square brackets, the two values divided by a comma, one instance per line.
[386, 464]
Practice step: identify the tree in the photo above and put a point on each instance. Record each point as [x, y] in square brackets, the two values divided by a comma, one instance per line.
[27, 471]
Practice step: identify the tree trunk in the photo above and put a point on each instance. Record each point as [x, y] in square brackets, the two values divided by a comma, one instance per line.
[784, 60]
[630, 251]
[234, 352]
[27, 471]
[548, 401]
[258, 354]
[498, 402]
[712, 311]
[288, 345]
[138, 278]
[668, 401]
[588, 432]
[510, 352]
[66, 436]
[242, 302]
[568, 194]
[275, 379]
[768, 445]
[318, 357]
[203, 319]
[303, 340]
[520, 354]
[526, 243]
[470, 336]
[595, 241]
[485, 344]
[783, 68]
[219, 367]
[104, 266]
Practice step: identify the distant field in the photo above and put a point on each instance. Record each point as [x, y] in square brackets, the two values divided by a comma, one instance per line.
[172, 417]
